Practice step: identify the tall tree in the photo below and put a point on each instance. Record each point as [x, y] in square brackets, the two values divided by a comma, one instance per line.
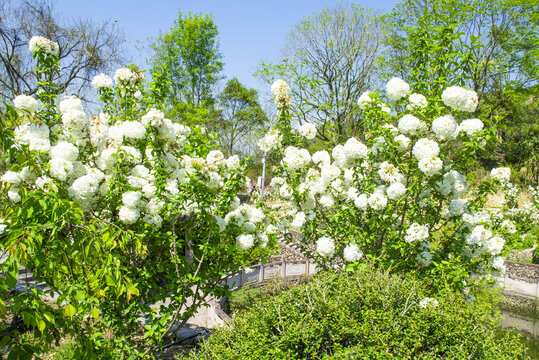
[189, 56]
[85, 48]
[241, 115]
[328, 61]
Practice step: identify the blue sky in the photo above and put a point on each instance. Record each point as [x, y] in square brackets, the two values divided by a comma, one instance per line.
[249, 30]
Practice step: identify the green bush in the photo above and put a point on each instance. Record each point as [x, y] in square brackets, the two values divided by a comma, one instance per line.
[366, 314]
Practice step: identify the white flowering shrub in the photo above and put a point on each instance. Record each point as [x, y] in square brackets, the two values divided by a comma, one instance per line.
[119, 212]
[400, 198]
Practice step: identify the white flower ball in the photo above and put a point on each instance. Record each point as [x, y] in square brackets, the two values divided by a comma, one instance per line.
[431, 166]
[416, 232]
[11, 177]
[445, 128]
[377, 201]
[321, 158]
[26, 103]
[471, 126]
[355, 149]
[502, 174]
[325, 247]
[124, 76]
[425, 148]
[102, 81]
[365, 99]
[308, 130]
[395, 191]
[39, 43]
[361, 202]
[397, 89]
[416, 101]
[411, 125]
[352, 253]
[131, 198]
[245, 241]
[461, 99]
[128, 215]
[403, 143]
[457, 207]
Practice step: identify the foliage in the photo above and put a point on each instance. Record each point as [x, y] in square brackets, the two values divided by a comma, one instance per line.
[328, 61]
[248, 296]
[86, 48]
[366, 314]
[188, 57]
[241, 115]
[117, 215]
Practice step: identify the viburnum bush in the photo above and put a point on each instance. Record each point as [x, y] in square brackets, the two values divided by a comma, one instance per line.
[399, 196]
[131, 220]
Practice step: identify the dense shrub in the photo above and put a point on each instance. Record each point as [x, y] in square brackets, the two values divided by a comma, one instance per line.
[366, 314]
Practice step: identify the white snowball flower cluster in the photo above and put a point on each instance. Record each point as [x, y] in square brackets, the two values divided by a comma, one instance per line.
[325, 247]
[308, 130]
[445, 128]
[502, 174]
[471, 126]
[425, 148]
[74, 120]
[416, 232]
[459, 98]
[498, 264]
[389, 173]
[281, 92]
[36, 136]
[365, 99]
[457, 207]
[411, 125]
[453, 185]
[26, 103]
[355, 149]
[296, 158]
[396, 191]
[482, 239]
[377, 200]
[271, 141]
[46, 46]
[430, 166]
[403, 142]
[416, 101]
[84, 189]
[397, 89]
[102, 81]
[245, 241]
[127, 77]
[352, 253]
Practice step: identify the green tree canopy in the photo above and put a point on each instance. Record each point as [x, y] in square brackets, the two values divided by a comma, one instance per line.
[241, 114]
[188, 55]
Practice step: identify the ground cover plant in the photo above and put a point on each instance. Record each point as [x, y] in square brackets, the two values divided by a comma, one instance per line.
[365, 314]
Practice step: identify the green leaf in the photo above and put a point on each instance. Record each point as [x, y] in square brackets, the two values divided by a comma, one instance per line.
[41, 325]
[70, 310]
[94, 313]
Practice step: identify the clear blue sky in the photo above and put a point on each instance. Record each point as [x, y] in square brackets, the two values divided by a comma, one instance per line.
[249, 30]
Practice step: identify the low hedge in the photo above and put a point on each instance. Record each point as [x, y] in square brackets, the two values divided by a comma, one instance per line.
[367, 314]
